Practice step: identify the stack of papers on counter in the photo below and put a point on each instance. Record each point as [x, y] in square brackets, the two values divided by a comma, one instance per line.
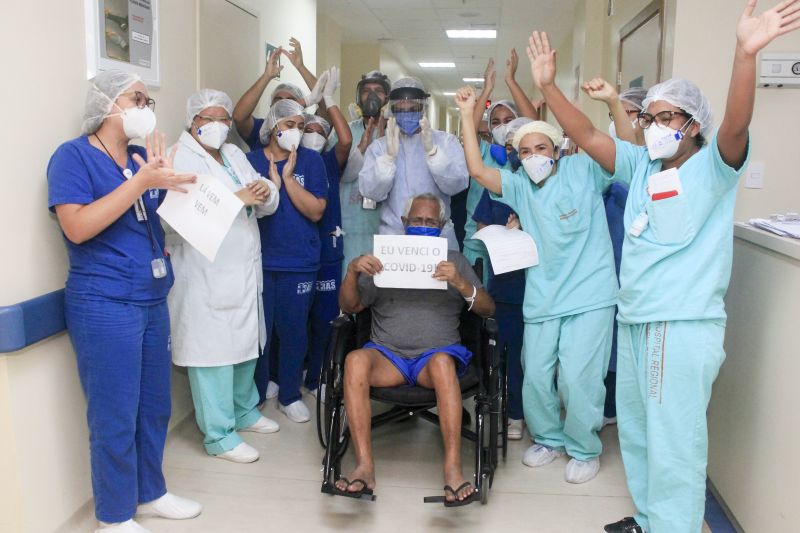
[784, 229]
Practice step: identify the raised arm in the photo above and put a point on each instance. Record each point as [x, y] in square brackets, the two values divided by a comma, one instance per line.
[578, 127]
[600, 89]
[752, 35]
[521, 100]
[488, 177]
[243, 112]
[489, 76]
[305, 201]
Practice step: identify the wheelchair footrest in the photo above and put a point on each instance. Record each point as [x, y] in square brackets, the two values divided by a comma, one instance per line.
[365, 494]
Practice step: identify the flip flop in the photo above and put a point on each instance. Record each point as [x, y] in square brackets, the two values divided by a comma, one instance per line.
[365, 493]
[456, 502]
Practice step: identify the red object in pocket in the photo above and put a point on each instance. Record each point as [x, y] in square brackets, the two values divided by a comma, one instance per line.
[664, 195]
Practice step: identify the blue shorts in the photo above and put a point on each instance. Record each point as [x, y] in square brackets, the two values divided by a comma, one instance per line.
[410, 367]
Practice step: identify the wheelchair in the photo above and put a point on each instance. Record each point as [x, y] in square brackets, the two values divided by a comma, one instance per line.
[485, 380]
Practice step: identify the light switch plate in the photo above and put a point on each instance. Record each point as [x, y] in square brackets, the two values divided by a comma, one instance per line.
[755, 176]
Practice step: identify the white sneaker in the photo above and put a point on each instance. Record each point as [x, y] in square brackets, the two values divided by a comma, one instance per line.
[608, 421]
[515, 429]
[272, 390]
[296, 411]
[262, 425]
[242, 453]
[320, 390]
[171, 506]
[540, 455]
[581, 471]
[128, 526]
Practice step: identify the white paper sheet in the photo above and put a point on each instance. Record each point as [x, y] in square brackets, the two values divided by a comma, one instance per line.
[509, 249]
[409, 261]
[203, 216]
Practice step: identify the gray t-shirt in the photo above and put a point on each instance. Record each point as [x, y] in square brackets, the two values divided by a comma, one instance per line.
[412, 321]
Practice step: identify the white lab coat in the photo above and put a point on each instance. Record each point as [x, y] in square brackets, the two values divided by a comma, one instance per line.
[216, 310]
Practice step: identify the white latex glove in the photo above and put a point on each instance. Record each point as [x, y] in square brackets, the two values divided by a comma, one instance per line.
[316, 93]
[331, 86]
[392, 138]
[426, 134]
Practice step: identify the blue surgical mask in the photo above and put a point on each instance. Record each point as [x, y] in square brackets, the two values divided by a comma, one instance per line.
[513, 158]
[408, 121]
[423, 231]
[499, 154]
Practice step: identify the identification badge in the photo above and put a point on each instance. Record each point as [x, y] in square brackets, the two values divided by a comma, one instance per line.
[663, 185]
[159, 267]
[368, 203]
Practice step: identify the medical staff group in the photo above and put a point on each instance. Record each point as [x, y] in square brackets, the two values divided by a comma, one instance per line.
[633, 283]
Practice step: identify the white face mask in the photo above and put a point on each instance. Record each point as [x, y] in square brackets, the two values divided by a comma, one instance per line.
[213, 134]
[137, 123]
[662, 141]
[289, 138]
[612, 128]
[313, 141]
[499, 134]
[538, 167]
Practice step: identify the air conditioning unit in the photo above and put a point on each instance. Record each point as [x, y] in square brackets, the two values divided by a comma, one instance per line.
[780, 70]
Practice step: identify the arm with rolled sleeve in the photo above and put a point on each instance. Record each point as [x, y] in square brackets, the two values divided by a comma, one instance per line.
[376, 178]
[448, 165]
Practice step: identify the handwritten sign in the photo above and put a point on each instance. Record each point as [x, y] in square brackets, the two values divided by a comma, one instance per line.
[409, 261]
[509, 249]
[203, 216]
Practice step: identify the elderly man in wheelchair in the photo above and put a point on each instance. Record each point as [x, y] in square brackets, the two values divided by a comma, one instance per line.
[414, 340]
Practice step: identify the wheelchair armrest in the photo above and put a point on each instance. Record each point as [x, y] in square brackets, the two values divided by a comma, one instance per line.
[489, 351]
[490, 326]
[342, 331]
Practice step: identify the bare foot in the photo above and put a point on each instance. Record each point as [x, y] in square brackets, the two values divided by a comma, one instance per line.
[361, 472]
[454, 479]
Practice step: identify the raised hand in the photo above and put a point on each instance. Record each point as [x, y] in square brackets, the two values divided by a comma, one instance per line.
[366, 139]
[316, 93]
[274, 68]
[295, 55]
[366, 264]
[543, 59]
[447, 271]
[511, 65]
[600, 89]
[330, 87]
[392, 138]
[288, 168]
[489, 76]
[426, 136]
[157, 171]
[465, 98]
[754, 33]
[273, 171]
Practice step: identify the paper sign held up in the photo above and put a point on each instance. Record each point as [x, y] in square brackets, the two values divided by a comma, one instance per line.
[509, 249]
[203, 215]
[409, 261]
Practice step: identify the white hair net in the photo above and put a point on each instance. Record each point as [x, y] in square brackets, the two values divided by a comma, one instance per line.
[685, 95]
[291, 88]
[316, 119]
[538, 126]
[280, 111]
[105, 90]
[205, 98]
[513, 126]
[505, 103]
[409, 81]
[634, 96]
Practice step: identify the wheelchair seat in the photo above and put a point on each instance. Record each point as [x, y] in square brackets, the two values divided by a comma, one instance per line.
[405, 396]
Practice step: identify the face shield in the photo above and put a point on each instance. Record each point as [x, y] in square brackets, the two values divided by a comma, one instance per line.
[408, 105]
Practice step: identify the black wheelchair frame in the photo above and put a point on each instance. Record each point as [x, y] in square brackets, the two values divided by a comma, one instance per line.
[485, 380]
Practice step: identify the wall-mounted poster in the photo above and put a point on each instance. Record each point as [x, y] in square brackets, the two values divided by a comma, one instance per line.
[122, 34]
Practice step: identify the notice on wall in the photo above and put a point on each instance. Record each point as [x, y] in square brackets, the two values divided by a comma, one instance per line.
[509, 249]
[203, 215]
[409, 261]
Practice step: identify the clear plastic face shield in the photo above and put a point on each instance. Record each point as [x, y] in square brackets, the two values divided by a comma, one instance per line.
[408, 105]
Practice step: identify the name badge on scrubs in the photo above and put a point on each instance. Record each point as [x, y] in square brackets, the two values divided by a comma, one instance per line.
[665, 184]
[159, 267]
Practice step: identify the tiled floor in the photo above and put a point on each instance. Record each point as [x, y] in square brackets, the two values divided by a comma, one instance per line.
[281, 492]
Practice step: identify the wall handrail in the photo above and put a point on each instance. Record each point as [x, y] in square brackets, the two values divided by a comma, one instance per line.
[30, 321]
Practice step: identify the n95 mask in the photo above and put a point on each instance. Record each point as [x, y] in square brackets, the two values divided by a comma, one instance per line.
[213, 134]
[538, 167]
[289, 138]
[662, 141]
[313, 141]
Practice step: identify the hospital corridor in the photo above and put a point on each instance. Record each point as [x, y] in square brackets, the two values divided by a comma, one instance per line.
[400, 266]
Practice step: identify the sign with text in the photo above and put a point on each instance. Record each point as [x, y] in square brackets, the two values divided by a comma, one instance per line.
[409, 261]
[203, 215]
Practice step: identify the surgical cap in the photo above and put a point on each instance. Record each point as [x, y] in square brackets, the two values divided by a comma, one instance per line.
[538, 126]
[634, 96]
[291, 88]
[685, 95]
[505, 103]
[410, 81]
[105, 90]
[280, 111]
[513, 126]
[316, 119]
[205, 98]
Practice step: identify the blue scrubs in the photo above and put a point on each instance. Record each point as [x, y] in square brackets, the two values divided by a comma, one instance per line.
[474, 249]
[615, 198]
[325, 306]
[569, 302]
[253, 140]
[117, 318]
[507, 291]
[290, 257]
[673, 278]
